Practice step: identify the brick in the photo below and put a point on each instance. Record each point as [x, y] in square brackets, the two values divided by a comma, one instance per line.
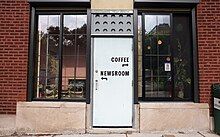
[208, 51]
[14, 29]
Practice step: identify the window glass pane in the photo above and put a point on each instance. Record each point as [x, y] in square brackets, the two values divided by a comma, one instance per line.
[182, 46]
[150, 46]
[81, 67]
[163, 43]
[157, 24]
[47, 57]
[158, 87]
[81, 44]
[74, 57]
[53, 66]
[164, 87]
[47, 88]
[49, 24]
[68, 66]
[151, 66]
[150, 24]
[68, 41]
[163, 24]
[157, 56]
[151, 87]
[81, 57]
[68, 70]
[69, 24]
[168, 74]
[81, 24]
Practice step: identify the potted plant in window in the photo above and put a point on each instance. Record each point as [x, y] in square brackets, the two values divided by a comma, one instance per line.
[182, 78]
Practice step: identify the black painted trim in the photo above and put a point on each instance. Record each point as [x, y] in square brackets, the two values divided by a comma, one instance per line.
[30, 83]
[60, 56]
[58, 100]
[57, 12]
[88, 57]
[195, 56]
[135, 56]
[59, 1]
[61, 4]
[165, 3]
[143, 52]
[172, 56]
[169, 1]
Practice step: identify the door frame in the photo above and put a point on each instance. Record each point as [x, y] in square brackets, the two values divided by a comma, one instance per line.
[135, 124]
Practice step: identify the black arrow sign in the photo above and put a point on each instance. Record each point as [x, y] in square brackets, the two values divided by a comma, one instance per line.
[104, 78]
[124, 65]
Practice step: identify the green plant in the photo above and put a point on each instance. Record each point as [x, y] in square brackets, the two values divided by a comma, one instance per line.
[182, 78]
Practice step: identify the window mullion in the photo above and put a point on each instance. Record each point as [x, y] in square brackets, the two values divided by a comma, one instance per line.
[143, 57]
[75, 56]
[60, 56]
[157, 56]
[172, 56]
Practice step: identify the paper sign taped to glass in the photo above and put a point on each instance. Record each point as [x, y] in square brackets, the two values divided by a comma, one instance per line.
[167, 66]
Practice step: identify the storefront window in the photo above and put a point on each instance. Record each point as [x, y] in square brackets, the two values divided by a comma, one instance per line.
[166, 57]
[61, 57]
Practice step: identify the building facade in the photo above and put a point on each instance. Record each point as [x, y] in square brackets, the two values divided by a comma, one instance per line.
[91, 66]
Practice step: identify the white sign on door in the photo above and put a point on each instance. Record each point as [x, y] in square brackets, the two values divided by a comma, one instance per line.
[112, 82]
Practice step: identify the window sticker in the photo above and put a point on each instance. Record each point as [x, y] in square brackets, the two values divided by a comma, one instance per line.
[167, 66]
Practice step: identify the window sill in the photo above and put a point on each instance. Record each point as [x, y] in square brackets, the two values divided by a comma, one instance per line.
[173, 105]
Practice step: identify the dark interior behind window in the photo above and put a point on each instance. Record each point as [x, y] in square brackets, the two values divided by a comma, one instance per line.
[166, 56]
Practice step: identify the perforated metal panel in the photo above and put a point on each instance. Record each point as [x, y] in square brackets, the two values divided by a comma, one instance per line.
[112, 24]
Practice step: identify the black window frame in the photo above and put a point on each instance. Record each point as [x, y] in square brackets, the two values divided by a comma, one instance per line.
[55, 9]
[165, 11]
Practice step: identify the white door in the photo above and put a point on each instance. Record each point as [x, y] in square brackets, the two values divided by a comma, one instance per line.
[112, 82]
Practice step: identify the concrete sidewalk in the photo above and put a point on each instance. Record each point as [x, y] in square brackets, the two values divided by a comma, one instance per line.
[198, 134]
[7, 125]
[7, 129]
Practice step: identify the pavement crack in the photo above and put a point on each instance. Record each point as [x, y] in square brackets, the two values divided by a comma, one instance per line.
[201, 134]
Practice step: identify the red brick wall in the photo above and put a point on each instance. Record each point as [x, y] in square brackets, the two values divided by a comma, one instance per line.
[208, 17]
[14, 29]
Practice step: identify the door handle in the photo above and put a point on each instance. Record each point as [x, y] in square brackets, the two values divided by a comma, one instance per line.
[96, 84]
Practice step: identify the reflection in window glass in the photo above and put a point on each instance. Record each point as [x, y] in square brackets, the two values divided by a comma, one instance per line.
[73, 57]
[150, 23]
[167, 57]
[157, 24]
[48, 59]
[81, 24]
[157, 54]
[163, 24]
[182, 57]
[69, 24]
